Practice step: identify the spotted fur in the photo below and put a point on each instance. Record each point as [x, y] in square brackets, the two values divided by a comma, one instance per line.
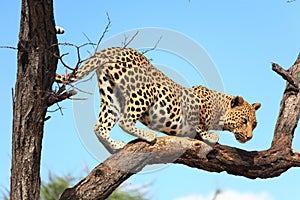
[132, 89]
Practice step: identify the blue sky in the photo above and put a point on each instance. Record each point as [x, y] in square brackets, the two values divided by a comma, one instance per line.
[241, 39]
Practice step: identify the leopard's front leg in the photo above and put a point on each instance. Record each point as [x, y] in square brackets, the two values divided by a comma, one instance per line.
[210, 138]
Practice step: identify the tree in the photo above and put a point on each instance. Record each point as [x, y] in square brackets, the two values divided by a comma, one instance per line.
[37, 61]
[35, 76]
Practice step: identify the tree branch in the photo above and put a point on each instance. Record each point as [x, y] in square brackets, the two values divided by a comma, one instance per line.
[58, 98]
[106, 29]
[284, 74]
[107, 176]
[126, 42]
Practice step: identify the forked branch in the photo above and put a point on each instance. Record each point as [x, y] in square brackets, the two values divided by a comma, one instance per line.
[285, 74]
[60, 95]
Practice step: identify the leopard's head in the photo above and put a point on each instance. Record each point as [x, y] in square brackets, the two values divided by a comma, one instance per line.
[240, 118]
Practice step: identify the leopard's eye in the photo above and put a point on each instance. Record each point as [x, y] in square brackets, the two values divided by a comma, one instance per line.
[244, 120]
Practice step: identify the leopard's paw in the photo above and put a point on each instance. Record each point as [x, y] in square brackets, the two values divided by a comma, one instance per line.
[210, 138]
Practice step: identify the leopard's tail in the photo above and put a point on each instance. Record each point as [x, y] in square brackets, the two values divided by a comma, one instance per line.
[78, 74]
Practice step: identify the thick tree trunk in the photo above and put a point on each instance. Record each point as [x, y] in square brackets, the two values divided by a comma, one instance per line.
[35, 75]
[107, 176]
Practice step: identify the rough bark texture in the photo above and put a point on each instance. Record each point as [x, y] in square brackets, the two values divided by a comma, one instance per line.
[35, 75]
[107, 176]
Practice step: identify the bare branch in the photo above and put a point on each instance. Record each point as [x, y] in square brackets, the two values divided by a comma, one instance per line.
[73, 86]
[79, 61]
[58, 97]
[125, 43]
[63, 63]
[153, 48]
[83, 81]
[106, 29]
[8, 47]
[285, 74]
[78, 99]
[59, 108]
[90, 41]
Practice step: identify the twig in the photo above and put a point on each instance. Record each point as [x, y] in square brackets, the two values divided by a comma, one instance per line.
[106, 29]
[73, 86]
[90, 42]
[63, 63]
[285, 74]
[8, 47]
[153, 48]
[78, 98]
[85, 35]
[59, 108]
[86, 80]
[55, 98]
[125, 43]
[78, 54]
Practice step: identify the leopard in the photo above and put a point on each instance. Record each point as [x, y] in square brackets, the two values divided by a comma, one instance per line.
[132, 89]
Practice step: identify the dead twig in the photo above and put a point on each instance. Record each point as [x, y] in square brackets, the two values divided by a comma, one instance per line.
[91, 54]
[8, 47]
[76, 99]
[153, 48]
[125, 43]
[86, 80]
[73, 86]
[55, 110]
[106, 29]
[58, 97]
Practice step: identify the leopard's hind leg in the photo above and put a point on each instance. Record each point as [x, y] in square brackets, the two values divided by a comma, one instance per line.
[109, 113]
[136, 106]
[106, 121]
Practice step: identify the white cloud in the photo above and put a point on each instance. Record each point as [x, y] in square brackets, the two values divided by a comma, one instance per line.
[230, 195]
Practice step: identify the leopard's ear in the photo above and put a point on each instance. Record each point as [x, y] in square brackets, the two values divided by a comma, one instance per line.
[237, 101]
[256, 106]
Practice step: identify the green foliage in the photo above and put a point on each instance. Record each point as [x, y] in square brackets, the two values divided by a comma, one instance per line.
[122, 195]
[52, 189]
[55, 187]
